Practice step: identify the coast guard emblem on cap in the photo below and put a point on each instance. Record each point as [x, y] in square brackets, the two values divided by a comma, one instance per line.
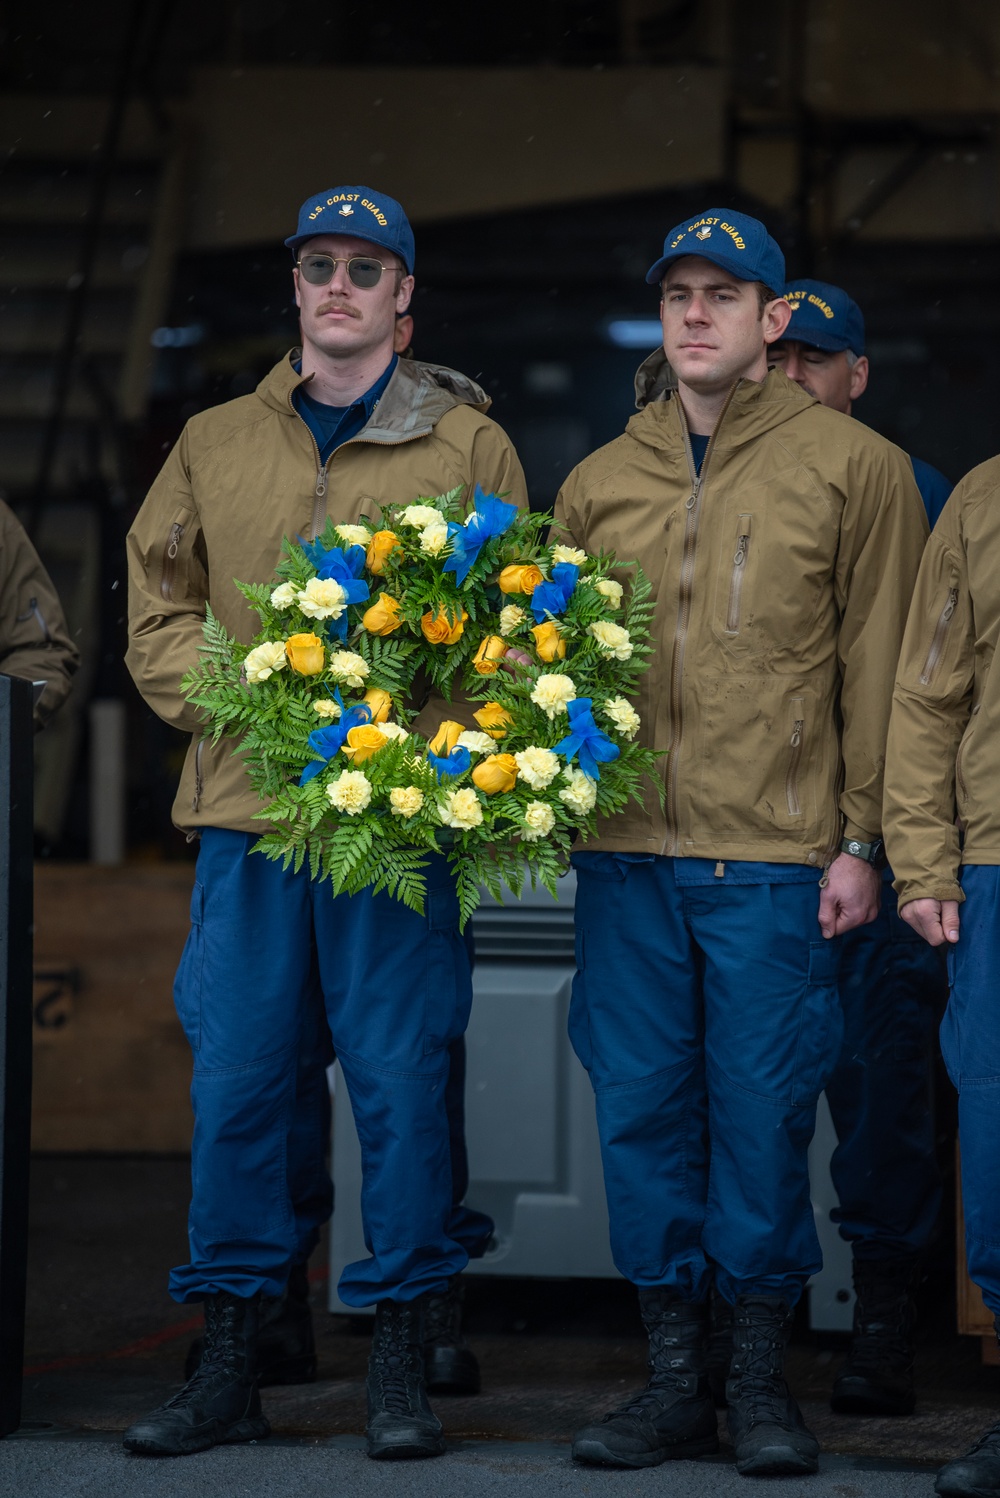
[703, 234]
[346, 211]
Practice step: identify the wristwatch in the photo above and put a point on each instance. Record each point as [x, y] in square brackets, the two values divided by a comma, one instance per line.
[872, 853]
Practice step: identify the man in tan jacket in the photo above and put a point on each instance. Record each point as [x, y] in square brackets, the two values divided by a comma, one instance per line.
[34, 640]
[781, 540]
[337, 431]
[942, 829]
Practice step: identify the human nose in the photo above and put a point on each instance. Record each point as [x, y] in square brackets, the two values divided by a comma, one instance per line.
[696, 310]
[340, 281]
[794, 367]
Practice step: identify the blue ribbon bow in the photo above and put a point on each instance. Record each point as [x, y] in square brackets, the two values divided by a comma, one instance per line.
[455, 763]
[552, 597]
[327, 742]
[489, 518]
[344, 566]
[585, 739]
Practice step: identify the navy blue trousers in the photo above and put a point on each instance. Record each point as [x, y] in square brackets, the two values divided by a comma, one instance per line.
[893, 988]
[709, 1020]
[396, 990]
[970, 1043]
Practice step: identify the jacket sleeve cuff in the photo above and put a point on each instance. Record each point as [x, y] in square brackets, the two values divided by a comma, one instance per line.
[857, 833]
[934, 889]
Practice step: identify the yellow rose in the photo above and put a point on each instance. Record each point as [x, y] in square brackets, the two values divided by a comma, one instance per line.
[383, 616]
[380, 703]
[493, 719]
[446, 737]
[496, 774]
[306, 654]
[363, 742]
[520, 577]
[548, 641]
[437, 629]
[380, 549]
[492, 650]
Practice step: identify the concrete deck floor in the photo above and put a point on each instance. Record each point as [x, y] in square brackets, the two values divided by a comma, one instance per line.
[105, 1344]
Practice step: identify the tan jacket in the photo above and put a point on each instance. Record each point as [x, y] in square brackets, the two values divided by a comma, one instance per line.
[34, 640]
[943, 758]
[247, 473]
[781, 580]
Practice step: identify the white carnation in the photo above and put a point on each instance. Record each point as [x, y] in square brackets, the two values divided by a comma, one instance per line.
[551, 693]
[354, 535]
[539, 821]
[580, 794]
[405, 800]
[393, 731]
[569, 554]
[434, 539]
[623, 715]
[283, 596]
[510, 617]
[479, 743]
[326, 707]
[611, 590]
[263, 660]
[420, 516]
[350, 792]
[322, 598]
[612, 640]
[539, 767]
[349, 668]
[461, 809]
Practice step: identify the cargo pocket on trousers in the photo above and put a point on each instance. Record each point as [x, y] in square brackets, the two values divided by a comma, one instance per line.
[821, 1024]
[188, 982]
[448, 991]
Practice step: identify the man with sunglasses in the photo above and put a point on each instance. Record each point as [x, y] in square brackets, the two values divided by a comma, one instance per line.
[335, 429]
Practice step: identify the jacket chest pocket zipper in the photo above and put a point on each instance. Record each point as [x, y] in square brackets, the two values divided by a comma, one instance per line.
[795, 745]
[199, 775]
[940, 635]
[740, 556]
[170, 551]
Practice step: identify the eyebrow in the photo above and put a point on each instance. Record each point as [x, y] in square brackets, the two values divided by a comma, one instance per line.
[714, 286]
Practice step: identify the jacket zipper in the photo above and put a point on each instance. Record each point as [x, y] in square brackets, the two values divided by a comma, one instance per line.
[684, 615]
[199, 775]
[319, 498]
[738, 574]
[170, 551]
[940, 634]
[792, 775]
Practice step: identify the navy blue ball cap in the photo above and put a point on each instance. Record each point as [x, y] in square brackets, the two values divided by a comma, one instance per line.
[824, 317]
[737, 242]
[361, 212]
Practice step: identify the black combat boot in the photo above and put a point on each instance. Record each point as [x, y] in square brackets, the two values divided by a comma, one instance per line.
[400, 1421]
[977, 1473]
[877, 1378]
[450, 1365]
[765, 1424]
[286, 1350]
[720, 1347]
[674, 1415]
[220, 1403]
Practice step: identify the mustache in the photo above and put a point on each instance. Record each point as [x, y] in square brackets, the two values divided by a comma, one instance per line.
[339, 307]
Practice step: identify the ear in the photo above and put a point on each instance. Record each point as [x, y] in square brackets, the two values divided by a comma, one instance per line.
[295, 283]
[777, 316]
[404, 294]
[859, 378]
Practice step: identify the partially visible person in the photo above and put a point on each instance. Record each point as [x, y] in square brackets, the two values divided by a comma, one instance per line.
[942, 830]
[893, 989]
[34, 640]
[824, 352]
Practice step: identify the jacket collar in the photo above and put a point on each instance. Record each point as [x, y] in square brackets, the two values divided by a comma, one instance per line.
[757, 406]
[415, 399]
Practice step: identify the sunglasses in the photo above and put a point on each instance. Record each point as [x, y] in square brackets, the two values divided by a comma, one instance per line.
[319, 270]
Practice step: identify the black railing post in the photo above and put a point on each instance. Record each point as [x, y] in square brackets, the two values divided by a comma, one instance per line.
[16, 902]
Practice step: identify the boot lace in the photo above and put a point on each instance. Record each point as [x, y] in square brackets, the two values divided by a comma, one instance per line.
[758, 1366]
[669, 1372]
[393, 1360]
[220, 1353]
